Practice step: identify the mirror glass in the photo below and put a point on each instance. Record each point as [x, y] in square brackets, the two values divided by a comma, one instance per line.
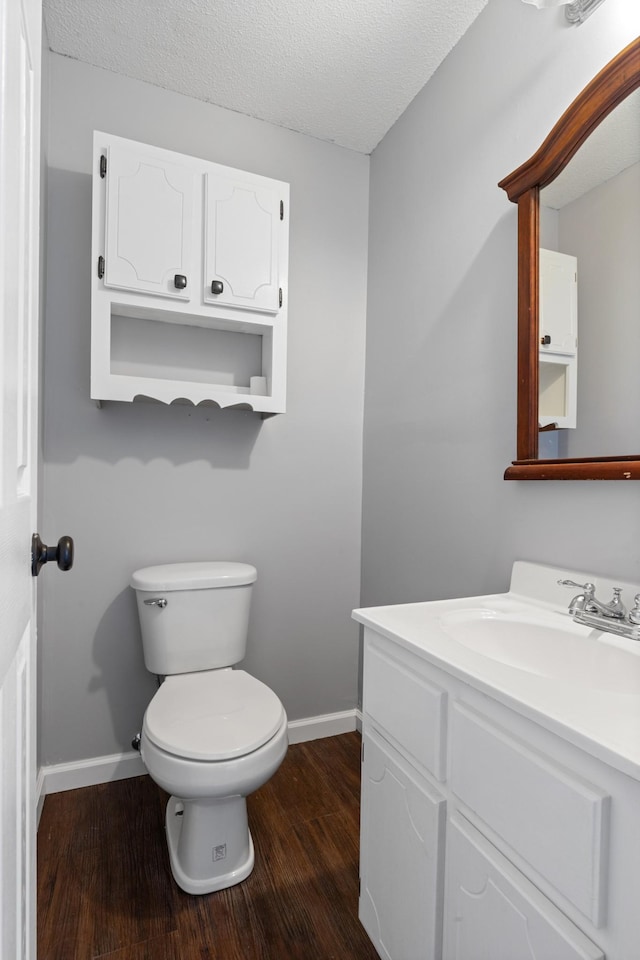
[578, 310]
[589, 366]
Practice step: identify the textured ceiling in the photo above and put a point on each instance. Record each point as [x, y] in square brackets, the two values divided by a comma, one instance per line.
[340, 70]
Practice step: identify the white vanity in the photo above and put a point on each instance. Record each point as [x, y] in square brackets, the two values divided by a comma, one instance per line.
[500, 778]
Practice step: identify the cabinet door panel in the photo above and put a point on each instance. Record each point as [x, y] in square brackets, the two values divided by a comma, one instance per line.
[494, 913]
[558, 301]
[242, 243]
[149, 223]
[402, 849]
[552, 818]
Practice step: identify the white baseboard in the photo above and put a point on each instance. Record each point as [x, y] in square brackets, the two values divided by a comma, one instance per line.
[54, 778]
[57, 777]
[326, 725]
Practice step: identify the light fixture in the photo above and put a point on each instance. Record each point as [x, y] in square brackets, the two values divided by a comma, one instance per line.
[576, 11]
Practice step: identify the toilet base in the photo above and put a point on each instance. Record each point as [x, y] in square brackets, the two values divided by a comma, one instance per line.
[210, 845]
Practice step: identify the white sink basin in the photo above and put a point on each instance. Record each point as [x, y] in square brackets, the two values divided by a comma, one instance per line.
[546, 644]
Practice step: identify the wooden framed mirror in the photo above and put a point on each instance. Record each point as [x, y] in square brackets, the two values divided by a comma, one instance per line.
[607, 91]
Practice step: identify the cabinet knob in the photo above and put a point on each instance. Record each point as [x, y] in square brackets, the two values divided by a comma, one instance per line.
[180, 281]
[217, 286]
[546, 340]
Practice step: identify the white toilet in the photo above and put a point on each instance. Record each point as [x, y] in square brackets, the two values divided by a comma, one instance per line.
[211, 734]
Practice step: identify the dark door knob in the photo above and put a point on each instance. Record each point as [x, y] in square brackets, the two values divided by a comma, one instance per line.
[62, 553]
[546, 340]
[180, 281]
[217, 286]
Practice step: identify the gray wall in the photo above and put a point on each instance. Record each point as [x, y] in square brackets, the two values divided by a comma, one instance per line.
[137, 484]
[440, 403]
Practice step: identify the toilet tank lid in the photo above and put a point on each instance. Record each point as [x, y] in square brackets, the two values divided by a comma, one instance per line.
[198, 575]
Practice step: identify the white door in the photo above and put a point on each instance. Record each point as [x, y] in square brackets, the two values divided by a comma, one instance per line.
[20, 55]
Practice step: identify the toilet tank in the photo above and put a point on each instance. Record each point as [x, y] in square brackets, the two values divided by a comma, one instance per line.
[201, 618]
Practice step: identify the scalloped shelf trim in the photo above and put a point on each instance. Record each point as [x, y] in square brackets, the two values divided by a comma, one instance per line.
[185, 401]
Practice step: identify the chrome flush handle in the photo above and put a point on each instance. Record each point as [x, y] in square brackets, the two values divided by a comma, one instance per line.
[156, 602]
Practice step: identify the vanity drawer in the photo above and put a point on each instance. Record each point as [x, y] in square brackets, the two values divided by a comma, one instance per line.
[557, 822]
[401, 699]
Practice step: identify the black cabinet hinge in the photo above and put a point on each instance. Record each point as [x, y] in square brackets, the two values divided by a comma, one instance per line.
[282, 209]
[100, 267]
[103, 166]
[280, 296]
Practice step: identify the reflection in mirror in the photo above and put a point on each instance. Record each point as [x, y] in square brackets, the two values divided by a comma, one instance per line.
[590, 220]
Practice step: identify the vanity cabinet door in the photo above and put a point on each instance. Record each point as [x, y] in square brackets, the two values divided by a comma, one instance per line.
[402, 833]
[494, 913]
[243, 223]
[149, 223]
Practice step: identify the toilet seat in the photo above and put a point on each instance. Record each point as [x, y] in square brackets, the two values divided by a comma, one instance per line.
[213, 715]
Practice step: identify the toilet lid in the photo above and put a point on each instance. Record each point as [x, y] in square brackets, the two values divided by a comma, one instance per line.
[214, 715]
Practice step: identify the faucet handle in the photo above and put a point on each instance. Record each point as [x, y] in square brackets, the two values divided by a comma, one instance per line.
[616, 606]
[588, 588]
[634, 615]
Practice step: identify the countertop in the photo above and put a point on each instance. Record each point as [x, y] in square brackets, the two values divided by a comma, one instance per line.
[602, 721]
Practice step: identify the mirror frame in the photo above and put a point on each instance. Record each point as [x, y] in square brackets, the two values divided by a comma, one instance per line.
[608, 88]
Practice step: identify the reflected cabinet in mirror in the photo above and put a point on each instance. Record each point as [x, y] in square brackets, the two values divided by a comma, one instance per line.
[578, 202]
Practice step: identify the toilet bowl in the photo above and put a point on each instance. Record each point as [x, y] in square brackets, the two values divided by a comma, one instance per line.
[194, 746]
[210, 736]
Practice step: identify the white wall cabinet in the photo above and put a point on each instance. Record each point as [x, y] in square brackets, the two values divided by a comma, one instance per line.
[558, 352]
[189, 291]
[484, 835]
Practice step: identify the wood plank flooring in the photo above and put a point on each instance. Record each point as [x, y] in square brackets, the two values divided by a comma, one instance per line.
[105, 888]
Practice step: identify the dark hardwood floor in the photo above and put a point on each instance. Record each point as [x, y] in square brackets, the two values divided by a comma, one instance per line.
[105, 888]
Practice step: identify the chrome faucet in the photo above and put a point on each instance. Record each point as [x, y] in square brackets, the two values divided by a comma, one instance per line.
[611, 617]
